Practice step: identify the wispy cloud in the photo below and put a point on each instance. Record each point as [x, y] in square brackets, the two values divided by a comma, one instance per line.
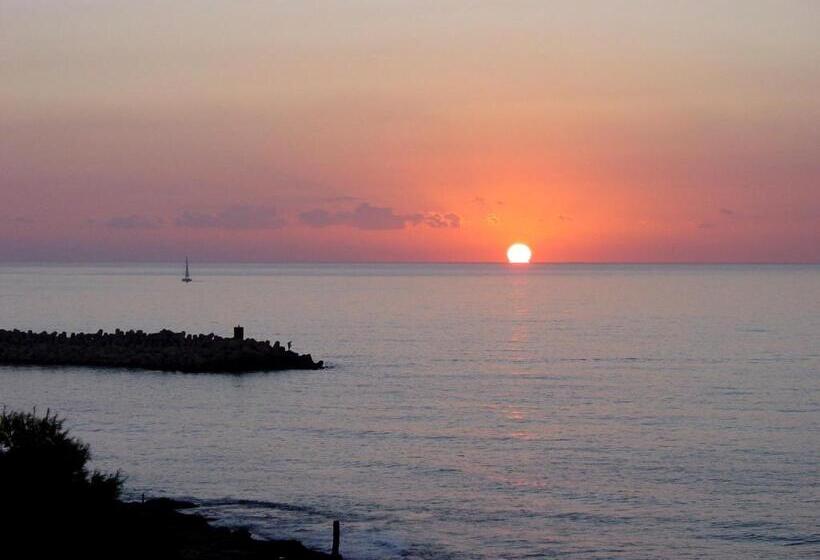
[368, 217]
[436, 220]
[134, 221]
[342, 198]
[233, 217]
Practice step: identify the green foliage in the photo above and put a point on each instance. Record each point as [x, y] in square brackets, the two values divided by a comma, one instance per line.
[40, 463]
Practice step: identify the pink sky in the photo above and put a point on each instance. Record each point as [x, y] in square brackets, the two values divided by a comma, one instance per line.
[410, 131]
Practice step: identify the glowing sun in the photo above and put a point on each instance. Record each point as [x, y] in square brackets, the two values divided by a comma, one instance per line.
[518, 253]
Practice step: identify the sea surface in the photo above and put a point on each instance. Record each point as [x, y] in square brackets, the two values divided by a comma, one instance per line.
[470, 411]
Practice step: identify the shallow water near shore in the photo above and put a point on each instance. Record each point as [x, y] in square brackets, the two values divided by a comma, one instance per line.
[470, 411]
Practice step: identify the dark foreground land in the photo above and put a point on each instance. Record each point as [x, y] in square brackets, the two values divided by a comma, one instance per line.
[164, 350]
[133, 530]
[53, 506]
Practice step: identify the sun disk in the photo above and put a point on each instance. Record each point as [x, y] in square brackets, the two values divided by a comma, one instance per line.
[518, 253]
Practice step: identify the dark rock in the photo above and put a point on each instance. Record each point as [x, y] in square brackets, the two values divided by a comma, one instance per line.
[168, 504]
[164, 350]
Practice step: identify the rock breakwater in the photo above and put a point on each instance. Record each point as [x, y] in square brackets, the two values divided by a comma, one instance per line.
[164, 350]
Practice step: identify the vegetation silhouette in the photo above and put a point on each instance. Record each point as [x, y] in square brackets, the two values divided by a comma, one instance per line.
[54, 505]
[41, 463]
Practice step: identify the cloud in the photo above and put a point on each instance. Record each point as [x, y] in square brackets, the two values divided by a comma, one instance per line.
[368, 217]
[727, 211]
[364, 216]
[134, 221]
[233, 217]
[319, 218]
[436, 220]
[342, 198]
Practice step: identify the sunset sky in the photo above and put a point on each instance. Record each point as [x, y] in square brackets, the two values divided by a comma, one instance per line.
[410, 131]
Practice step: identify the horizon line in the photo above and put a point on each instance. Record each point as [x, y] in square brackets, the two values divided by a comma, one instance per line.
[408, 262]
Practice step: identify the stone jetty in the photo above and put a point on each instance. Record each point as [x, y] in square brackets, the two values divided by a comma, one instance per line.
[164, 350]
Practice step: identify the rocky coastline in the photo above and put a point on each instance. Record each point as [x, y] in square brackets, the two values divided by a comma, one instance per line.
[167, 530]
[164, 351]
[54, 505]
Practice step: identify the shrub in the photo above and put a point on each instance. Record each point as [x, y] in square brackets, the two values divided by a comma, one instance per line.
[41, 464]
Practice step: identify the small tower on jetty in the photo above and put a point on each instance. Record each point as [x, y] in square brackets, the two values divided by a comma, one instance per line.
[238, 333]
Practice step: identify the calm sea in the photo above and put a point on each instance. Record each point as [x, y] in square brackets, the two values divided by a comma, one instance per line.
[471, 411]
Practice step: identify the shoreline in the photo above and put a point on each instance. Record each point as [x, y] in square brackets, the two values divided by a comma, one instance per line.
[56, 506]
[189, 534]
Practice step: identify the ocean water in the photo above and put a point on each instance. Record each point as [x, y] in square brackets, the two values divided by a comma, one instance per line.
[471, 411]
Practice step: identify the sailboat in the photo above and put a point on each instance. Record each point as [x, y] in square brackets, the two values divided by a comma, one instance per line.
[187, 277]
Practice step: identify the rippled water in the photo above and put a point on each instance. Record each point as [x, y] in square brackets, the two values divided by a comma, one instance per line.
[471, 411]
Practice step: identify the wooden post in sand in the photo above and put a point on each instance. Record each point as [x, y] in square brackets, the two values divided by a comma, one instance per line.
[336, 534]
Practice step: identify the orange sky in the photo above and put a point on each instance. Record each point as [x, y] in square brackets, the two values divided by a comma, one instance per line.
[419, 131]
